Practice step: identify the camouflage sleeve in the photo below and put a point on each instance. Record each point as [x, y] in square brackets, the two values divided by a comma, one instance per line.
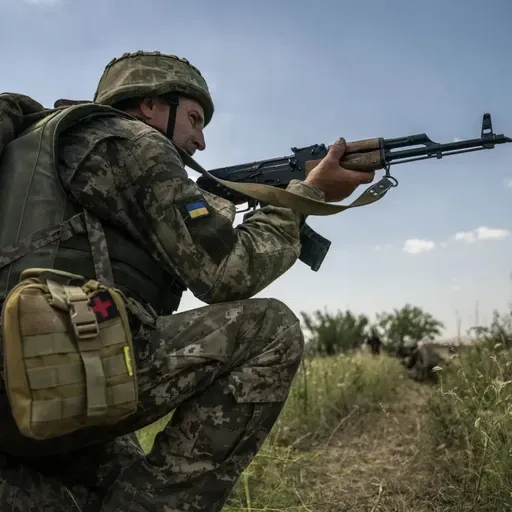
[191, 230]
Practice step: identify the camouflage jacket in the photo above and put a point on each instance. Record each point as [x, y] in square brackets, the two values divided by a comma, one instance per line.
[131, 177]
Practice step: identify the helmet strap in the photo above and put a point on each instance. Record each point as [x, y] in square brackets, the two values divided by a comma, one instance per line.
[173, 108]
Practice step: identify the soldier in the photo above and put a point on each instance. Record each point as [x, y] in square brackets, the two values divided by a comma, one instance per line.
[374, 342]
[226, 368]
[422, 362]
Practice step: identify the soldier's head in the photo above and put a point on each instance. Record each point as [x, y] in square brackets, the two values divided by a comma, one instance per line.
[164, 91]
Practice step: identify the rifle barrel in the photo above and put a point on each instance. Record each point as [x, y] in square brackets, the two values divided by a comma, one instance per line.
[434, 149]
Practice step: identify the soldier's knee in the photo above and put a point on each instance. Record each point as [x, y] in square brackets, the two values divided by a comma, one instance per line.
[282, 309]
[287, 326]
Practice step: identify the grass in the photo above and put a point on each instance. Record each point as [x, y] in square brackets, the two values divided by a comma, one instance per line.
[357, 435]
[469, 425]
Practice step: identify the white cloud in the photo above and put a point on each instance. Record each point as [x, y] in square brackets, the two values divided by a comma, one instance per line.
[465, 236]
[484, 233]
[456, 139]
[415, 246]
[508, 183]
[481, 233]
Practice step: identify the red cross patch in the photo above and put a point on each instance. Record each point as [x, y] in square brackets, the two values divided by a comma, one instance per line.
[104, 306]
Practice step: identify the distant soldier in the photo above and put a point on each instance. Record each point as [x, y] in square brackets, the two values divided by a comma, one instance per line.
[421, 363]
[374, 342]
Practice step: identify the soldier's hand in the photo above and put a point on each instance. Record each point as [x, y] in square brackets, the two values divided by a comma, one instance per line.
[333, 180]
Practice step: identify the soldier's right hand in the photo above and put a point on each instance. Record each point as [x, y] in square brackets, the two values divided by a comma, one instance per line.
[333, 180]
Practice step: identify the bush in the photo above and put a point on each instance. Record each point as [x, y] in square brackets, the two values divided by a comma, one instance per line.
[331, 334]
[409, 322]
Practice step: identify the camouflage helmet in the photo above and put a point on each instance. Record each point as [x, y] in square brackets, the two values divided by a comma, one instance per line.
[153, 73]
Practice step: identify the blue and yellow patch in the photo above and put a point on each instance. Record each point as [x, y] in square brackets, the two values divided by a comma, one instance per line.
[197, 209]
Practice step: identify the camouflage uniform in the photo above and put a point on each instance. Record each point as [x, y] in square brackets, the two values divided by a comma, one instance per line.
[225, 368]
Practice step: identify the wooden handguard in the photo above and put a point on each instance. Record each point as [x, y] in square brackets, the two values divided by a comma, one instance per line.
[363, 161]
[363, 146]
[361, 155]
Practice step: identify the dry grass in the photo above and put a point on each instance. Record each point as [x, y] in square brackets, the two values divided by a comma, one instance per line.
[356, 435]
[373, 464]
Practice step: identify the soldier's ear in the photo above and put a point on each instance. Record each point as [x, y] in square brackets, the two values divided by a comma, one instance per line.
[147, 107]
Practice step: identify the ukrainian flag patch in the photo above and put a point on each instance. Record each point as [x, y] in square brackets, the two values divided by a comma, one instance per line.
[197, 209]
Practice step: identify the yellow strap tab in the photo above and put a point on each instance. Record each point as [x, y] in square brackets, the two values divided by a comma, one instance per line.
[128, 360]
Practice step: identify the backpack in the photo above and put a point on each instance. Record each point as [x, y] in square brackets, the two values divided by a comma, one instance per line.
[67, 342]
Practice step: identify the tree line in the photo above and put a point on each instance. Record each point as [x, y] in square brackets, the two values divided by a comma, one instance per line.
[342, 331]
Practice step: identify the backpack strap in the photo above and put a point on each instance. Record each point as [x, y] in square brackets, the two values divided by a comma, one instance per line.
[99, 249]
[78, 224]
[73, 226]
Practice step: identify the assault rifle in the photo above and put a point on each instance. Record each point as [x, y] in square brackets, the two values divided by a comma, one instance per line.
[364, 155]
[235, 183]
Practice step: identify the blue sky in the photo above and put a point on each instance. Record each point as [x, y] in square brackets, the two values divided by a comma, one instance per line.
[296, 73]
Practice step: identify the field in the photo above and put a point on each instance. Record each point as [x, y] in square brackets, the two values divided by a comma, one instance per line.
[357, 435]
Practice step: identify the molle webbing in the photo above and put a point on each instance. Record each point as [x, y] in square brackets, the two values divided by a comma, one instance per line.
[83, 222]
[68, 354]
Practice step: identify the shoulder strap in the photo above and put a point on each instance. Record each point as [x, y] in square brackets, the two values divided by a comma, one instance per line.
[78, 224]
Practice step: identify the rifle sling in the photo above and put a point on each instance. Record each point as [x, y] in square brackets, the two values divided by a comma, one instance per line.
[280, 197]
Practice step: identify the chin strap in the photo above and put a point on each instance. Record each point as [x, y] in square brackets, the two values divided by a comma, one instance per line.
[173, 108]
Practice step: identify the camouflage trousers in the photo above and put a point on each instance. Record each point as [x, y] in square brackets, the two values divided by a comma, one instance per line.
[225, 370]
